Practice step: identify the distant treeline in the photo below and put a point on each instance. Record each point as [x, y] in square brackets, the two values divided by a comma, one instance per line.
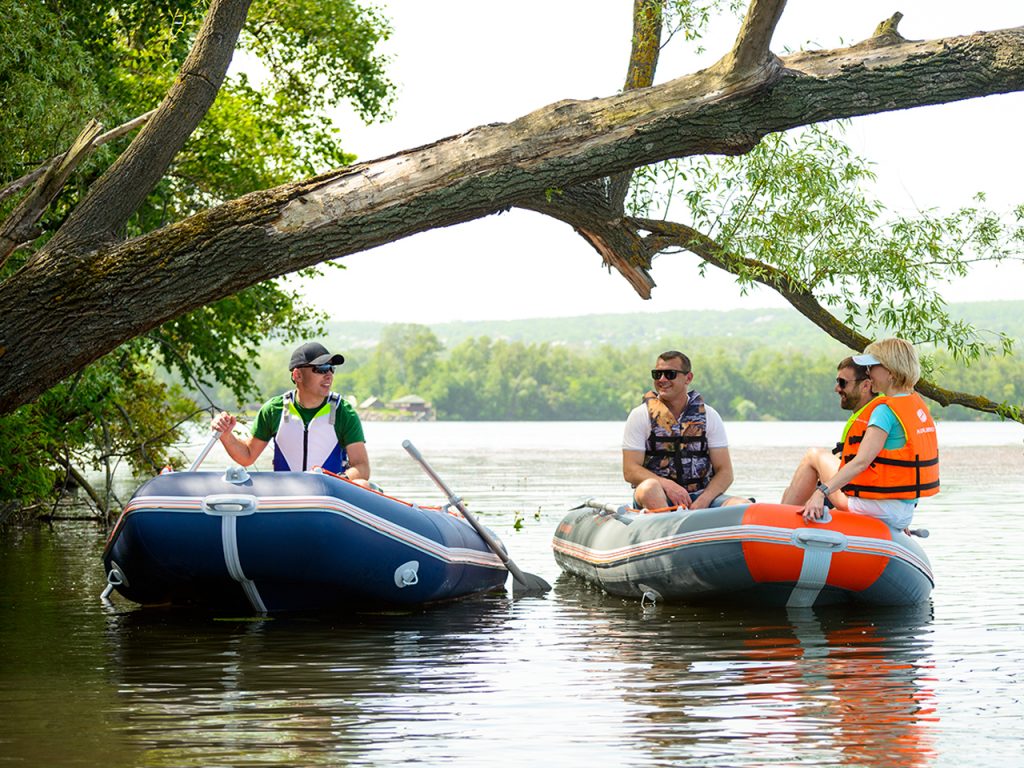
[779, 327]
[501, 380]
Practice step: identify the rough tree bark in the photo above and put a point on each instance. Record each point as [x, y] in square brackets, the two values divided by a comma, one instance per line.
[83, 296]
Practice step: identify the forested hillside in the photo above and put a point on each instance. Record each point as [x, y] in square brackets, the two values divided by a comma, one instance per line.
[751, 364]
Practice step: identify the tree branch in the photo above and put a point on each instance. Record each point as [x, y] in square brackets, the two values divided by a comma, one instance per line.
[84, 484]
[598, 220]
[114, 133]
[665, 234]
[58, 315]
[122, 189]
[751, 55]
[643, 63]
[20, 226]
[643, 57]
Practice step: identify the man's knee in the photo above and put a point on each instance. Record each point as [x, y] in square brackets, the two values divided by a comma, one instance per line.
[811, 458]
[649, 493]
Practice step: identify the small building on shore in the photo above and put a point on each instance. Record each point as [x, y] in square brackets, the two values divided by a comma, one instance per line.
[406, 408]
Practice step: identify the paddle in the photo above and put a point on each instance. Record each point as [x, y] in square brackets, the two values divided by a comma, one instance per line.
[620, 513]
[214, 437]
[522, 583]
[595, 504]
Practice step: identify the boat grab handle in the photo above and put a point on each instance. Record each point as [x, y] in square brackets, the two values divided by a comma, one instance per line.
[226, 504]
[816, 538]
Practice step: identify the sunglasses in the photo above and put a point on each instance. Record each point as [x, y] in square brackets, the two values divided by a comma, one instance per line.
[323, 370]
[843, 382]
[670, 374]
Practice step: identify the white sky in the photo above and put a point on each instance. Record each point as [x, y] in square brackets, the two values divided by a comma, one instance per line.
[457, 67]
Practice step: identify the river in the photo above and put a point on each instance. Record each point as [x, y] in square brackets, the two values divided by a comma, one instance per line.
[570, 679]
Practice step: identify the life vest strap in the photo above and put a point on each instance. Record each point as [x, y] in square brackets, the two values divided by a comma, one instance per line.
[684, 453]
[854, 490]
[906, 462]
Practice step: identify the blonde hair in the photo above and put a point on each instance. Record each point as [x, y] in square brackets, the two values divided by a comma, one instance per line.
[899, 357]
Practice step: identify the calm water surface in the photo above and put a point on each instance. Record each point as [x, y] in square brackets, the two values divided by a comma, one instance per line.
[569, 679]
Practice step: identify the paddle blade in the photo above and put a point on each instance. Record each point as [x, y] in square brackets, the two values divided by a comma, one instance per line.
[529, 584]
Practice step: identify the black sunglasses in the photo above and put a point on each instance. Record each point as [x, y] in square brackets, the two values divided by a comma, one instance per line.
[323, 370]
[843, 382]
[670, 374]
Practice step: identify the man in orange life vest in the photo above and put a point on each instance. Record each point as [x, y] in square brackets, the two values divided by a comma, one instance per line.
[853, 385]
[310, 425]
[890, 455]
[674, 448]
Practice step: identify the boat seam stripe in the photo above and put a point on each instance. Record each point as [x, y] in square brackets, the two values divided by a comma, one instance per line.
[333, 505]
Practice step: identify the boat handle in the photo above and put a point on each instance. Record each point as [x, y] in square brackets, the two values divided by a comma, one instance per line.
[816, 538]
[226, 504]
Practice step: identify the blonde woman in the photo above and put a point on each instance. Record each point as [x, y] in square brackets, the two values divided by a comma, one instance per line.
[890, 457]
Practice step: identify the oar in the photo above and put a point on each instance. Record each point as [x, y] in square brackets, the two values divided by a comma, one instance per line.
[214, 437]
[522, 583]
[595, 504]
[620, 513]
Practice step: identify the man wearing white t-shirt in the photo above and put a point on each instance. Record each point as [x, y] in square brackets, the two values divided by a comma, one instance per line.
[674, 448]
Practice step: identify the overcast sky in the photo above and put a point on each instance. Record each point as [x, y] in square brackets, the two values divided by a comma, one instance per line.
[459, 64]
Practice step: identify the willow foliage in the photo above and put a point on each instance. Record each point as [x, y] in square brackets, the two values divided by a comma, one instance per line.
[798, 209]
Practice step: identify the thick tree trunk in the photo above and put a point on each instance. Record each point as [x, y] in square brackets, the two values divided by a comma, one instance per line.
[58, 314]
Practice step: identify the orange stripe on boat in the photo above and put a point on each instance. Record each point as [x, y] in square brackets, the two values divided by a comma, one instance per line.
[771, 563]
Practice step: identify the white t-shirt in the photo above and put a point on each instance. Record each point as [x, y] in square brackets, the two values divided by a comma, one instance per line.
[638, 429]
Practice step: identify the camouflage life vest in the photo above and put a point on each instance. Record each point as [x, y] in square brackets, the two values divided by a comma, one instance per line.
[678, 448]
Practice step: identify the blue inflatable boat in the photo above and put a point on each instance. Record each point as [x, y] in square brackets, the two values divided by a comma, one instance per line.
[290, 541]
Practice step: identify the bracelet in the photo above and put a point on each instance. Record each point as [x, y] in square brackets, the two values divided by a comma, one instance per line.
[824, 490]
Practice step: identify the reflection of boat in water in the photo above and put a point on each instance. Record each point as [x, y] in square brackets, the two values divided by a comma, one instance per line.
[796, 688]
[762, 553]
[280, 541]
[299, 690]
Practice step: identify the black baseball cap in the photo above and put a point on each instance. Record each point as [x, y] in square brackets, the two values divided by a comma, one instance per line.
[313, 353]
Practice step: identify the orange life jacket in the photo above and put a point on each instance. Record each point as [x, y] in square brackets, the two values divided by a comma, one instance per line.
[904, 473]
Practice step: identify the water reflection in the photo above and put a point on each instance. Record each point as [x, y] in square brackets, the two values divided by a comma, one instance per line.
[805, 687]
[858, 688]
[672, 685]
[293, 691]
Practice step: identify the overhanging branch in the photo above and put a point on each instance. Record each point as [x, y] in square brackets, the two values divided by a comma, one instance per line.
[663, 235]
[74, 311]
